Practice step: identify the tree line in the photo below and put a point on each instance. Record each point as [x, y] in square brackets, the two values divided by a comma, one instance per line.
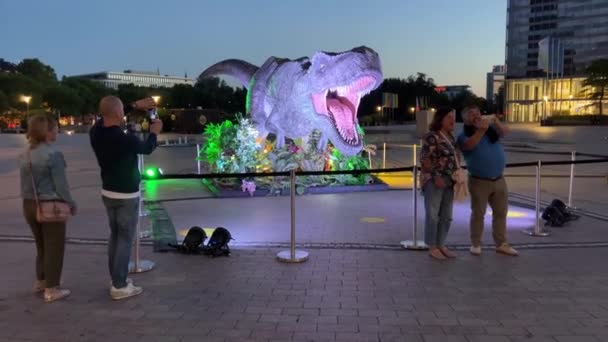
[79, 97]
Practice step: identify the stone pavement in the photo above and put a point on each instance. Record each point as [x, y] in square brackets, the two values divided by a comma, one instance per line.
[552, 295]
[382, 294]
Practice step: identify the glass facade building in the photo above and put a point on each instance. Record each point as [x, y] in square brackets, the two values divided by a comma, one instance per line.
[527, 102]
[581, 27]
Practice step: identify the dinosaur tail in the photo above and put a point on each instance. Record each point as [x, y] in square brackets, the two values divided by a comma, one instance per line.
[239, 69]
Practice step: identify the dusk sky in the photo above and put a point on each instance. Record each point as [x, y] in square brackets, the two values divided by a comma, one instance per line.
[453, 41]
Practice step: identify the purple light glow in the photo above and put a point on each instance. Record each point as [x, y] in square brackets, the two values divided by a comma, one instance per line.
[517, 218]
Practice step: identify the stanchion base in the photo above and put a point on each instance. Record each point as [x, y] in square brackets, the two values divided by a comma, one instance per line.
[143, 266]
[417, 246]
[531, 232]
[285, 256]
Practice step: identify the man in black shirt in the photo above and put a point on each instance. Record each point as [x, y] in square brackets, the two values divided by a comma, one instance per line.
[116, 153]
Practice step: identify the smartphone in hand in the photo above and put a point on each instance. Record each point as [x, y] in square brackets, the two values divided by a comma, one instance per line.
[490, 119]
[152, 114]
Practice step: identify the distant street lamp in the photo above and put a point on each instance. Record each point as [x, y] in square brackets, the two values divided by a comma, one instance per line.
[156, 99]
[412, 109]
[27, 100]
[378, 109]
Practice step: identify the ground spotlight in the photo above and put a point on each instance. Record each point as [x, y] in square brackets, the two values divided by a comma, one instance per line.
[153, 172]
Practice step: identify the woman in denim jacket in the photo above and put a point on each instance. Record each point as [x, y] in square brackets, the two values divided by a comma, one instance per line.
[48, 170]
[438, 163]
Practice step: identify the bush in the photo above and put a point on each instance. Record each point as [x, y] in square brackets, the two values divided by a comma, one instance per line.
[366, 120]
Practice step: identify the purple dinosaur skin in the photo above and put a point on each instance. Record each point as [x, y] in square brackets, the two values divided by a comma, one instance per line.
[291, 98]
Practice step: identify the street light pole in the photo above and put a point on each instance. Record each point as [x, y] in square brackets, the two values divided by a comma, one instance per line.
[27, 100]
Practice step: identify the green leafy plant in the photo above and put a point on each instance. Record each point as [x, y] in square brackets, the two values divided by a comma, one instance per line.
[247, 147]
[218, 139]
[235, 148]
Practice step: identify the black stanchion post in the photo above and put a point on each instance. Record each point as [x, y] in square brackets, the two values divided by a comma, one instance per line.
[292, 255]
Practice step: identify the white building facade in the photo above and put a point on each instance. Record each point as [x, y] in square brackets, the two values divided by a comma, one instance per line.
[113, 79]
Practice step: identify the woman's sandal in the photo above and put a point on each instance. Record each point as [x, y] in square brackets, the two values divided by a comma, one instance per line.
[436, 254]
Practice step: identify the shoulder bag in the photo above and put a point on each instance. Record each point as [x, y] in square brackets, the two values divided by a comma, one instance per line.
[48, 210]
[459, 176]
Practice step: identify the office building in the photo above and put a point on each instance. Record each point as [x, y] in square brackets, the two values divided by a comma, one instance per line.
[494, 80]
[549, 44]
[112, 79]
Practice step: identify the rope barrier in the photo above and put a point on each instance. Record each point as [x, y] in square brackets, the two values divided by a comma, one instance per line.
[347, 172]
[275, 174]
[296, 256]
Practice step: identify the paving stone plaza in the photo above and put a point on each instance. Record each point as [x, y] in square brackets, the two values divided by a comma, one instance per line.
[358, 284]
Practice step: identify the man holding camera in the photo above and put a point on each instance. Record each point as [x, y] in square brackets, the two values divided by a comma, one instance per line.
[116, 153]
[485, 158]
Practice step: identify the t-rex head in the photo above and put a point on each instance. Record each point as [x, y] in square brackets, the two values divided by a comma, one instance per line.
[338, 81]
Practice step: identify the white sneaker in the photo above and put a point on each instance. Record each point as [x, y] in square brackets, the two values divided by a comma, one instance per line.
[129, 281]
[475, 250]
[128, 291]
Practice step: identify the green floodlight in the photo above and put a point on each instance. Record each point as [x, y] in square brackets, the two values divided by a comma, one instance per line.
[153, 172]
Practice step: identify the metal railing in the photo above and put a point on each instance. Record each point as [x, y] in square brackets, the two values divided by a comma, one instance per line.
[538, 230]
[140, 265]
[295, 256]
[412, 146]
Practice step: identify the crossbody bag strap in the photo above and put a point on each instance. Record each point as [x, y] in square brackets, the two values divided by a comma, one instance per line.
[456, 154]
[29, 159]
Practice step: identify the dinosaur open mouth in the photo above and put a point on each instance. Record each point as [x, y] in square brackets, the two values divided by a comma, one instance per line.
[339, 105]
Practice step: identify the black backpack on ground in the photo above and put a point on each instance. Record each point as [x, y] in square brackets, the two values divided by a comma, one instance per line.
[557, 214]
[218, 243]
[563, 209]
[553, 217]
[193, 242]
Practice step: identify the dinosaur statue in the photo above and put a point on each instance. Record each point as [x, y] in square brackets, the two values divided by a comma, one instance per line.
[291, 98]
